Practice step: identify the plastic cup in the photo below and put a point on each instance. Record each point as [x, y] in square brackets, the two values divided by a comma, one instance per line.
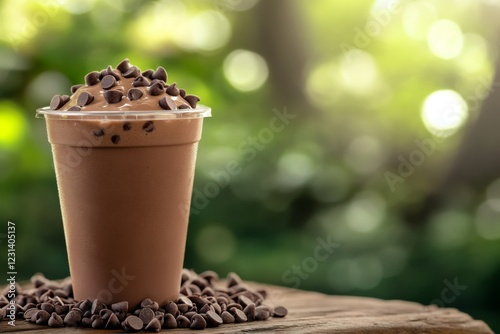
[125, 181]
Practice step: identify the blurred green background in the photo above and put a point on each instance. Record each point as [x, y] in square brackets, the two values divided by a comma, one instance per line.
[390, 148]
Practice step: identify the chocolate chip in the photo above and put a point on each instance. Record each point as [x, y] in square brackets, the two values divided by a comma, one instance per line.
[172, 90]
[98, 322]
[232, 278]
[123, 66]
[182, 92]
[192, 100]
[280, 312]
[262, 313]
[214, 319]
[92, 78]
[146, 315]
[141, 81]
[160, 74]
[97, 306]
[47, 307]
[244, 301]
[121, 307]
[249, 311]
[29, 313]
[167, 103]
[56, 102]
[183, 322]
[41, 317]
[132, 323]
[55, 320]
[132, 72]
[126, 127]
[99, 132]
[103, 73]
[153, 326]
[75, 108]
[171, 308]
[149, 126]
[115, 139]
[227, 317]
[148, 73]
[183, 308]
[110, 71]
[86, 322]
[113, 96]
[134, 94]
[161, 82]
[156, 89]
[113, 321]
[73, 318]
[74, 88]
[84, 99]
[169, 321]
[239, 315]
[198, 322]
[108, 82]
[184, 106]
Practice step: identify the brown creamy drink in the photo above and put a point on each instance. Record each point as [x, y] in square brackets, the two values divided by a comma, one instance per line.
[124, 147]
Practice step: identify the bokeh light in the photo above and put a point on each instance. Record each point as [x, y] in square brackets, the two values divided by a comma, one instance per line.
[359, 72]
[445, 39]
[488, 222]
[47, 84]
[365, 154]
[365, 212]
[245, 70]
[215, 244]
[444, 112]
[13, 125]
[418, 16]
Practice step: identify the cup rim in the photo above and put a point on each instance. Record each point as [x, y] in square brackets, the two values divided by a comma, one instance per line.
[199, 112]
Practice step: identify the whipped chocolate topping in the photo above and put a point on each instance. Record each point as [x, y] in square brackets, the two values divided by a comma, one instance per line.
[125, 88]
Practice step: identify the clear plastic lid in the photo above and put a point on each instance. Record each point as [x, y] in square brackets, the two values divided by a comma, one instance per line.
[200, 112]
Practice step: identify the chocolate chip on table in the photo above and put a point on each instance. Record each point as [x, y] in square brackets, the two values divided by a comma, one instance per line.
[98, 132]
[244, 301]
[113, 96]
[146, 315]
[239, 315]
[227, 317]
[97, 306]
[213, 319]
[92, 78]
[280, 311]
[198, 322]
[172, 90]
[132, 323]
[132, 72]
[113, 321]
[98, 322]
[169, 321]
[126, 127]
[108, 82]
[182, 92]
[55, 320]
[75, 108]
[249, 311]
[262, 313]
[41, 317]
[47, 307]
[56, 102]
[73, 318]
[74, 88]
[121, 307]
[160, 74]
[153, 326]
[149, 126]
[167, 103]
[85, 98]
[123, 66]
[156, 89]
[28, 313]
[115, 139]
[183, 322]
[192, 100]
[134, 94]
[233, 279]
[141, 81]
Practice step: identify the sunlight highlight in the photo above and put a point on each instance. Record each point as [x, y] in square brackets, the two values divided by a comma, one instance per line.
[444, 112]
[245, 70]
[445, 39]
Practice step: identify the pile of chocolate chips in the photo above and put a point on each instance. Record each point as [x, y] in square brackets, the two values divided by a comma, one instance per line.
[149, 82]
[201, 304]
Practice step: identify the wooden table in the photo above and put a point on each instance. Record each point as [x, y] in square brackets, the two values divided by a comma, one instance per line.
[312, 312]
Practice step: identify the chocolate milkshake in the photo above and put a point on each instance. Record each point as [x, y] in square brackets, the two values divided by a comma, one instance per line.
[124, 146]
